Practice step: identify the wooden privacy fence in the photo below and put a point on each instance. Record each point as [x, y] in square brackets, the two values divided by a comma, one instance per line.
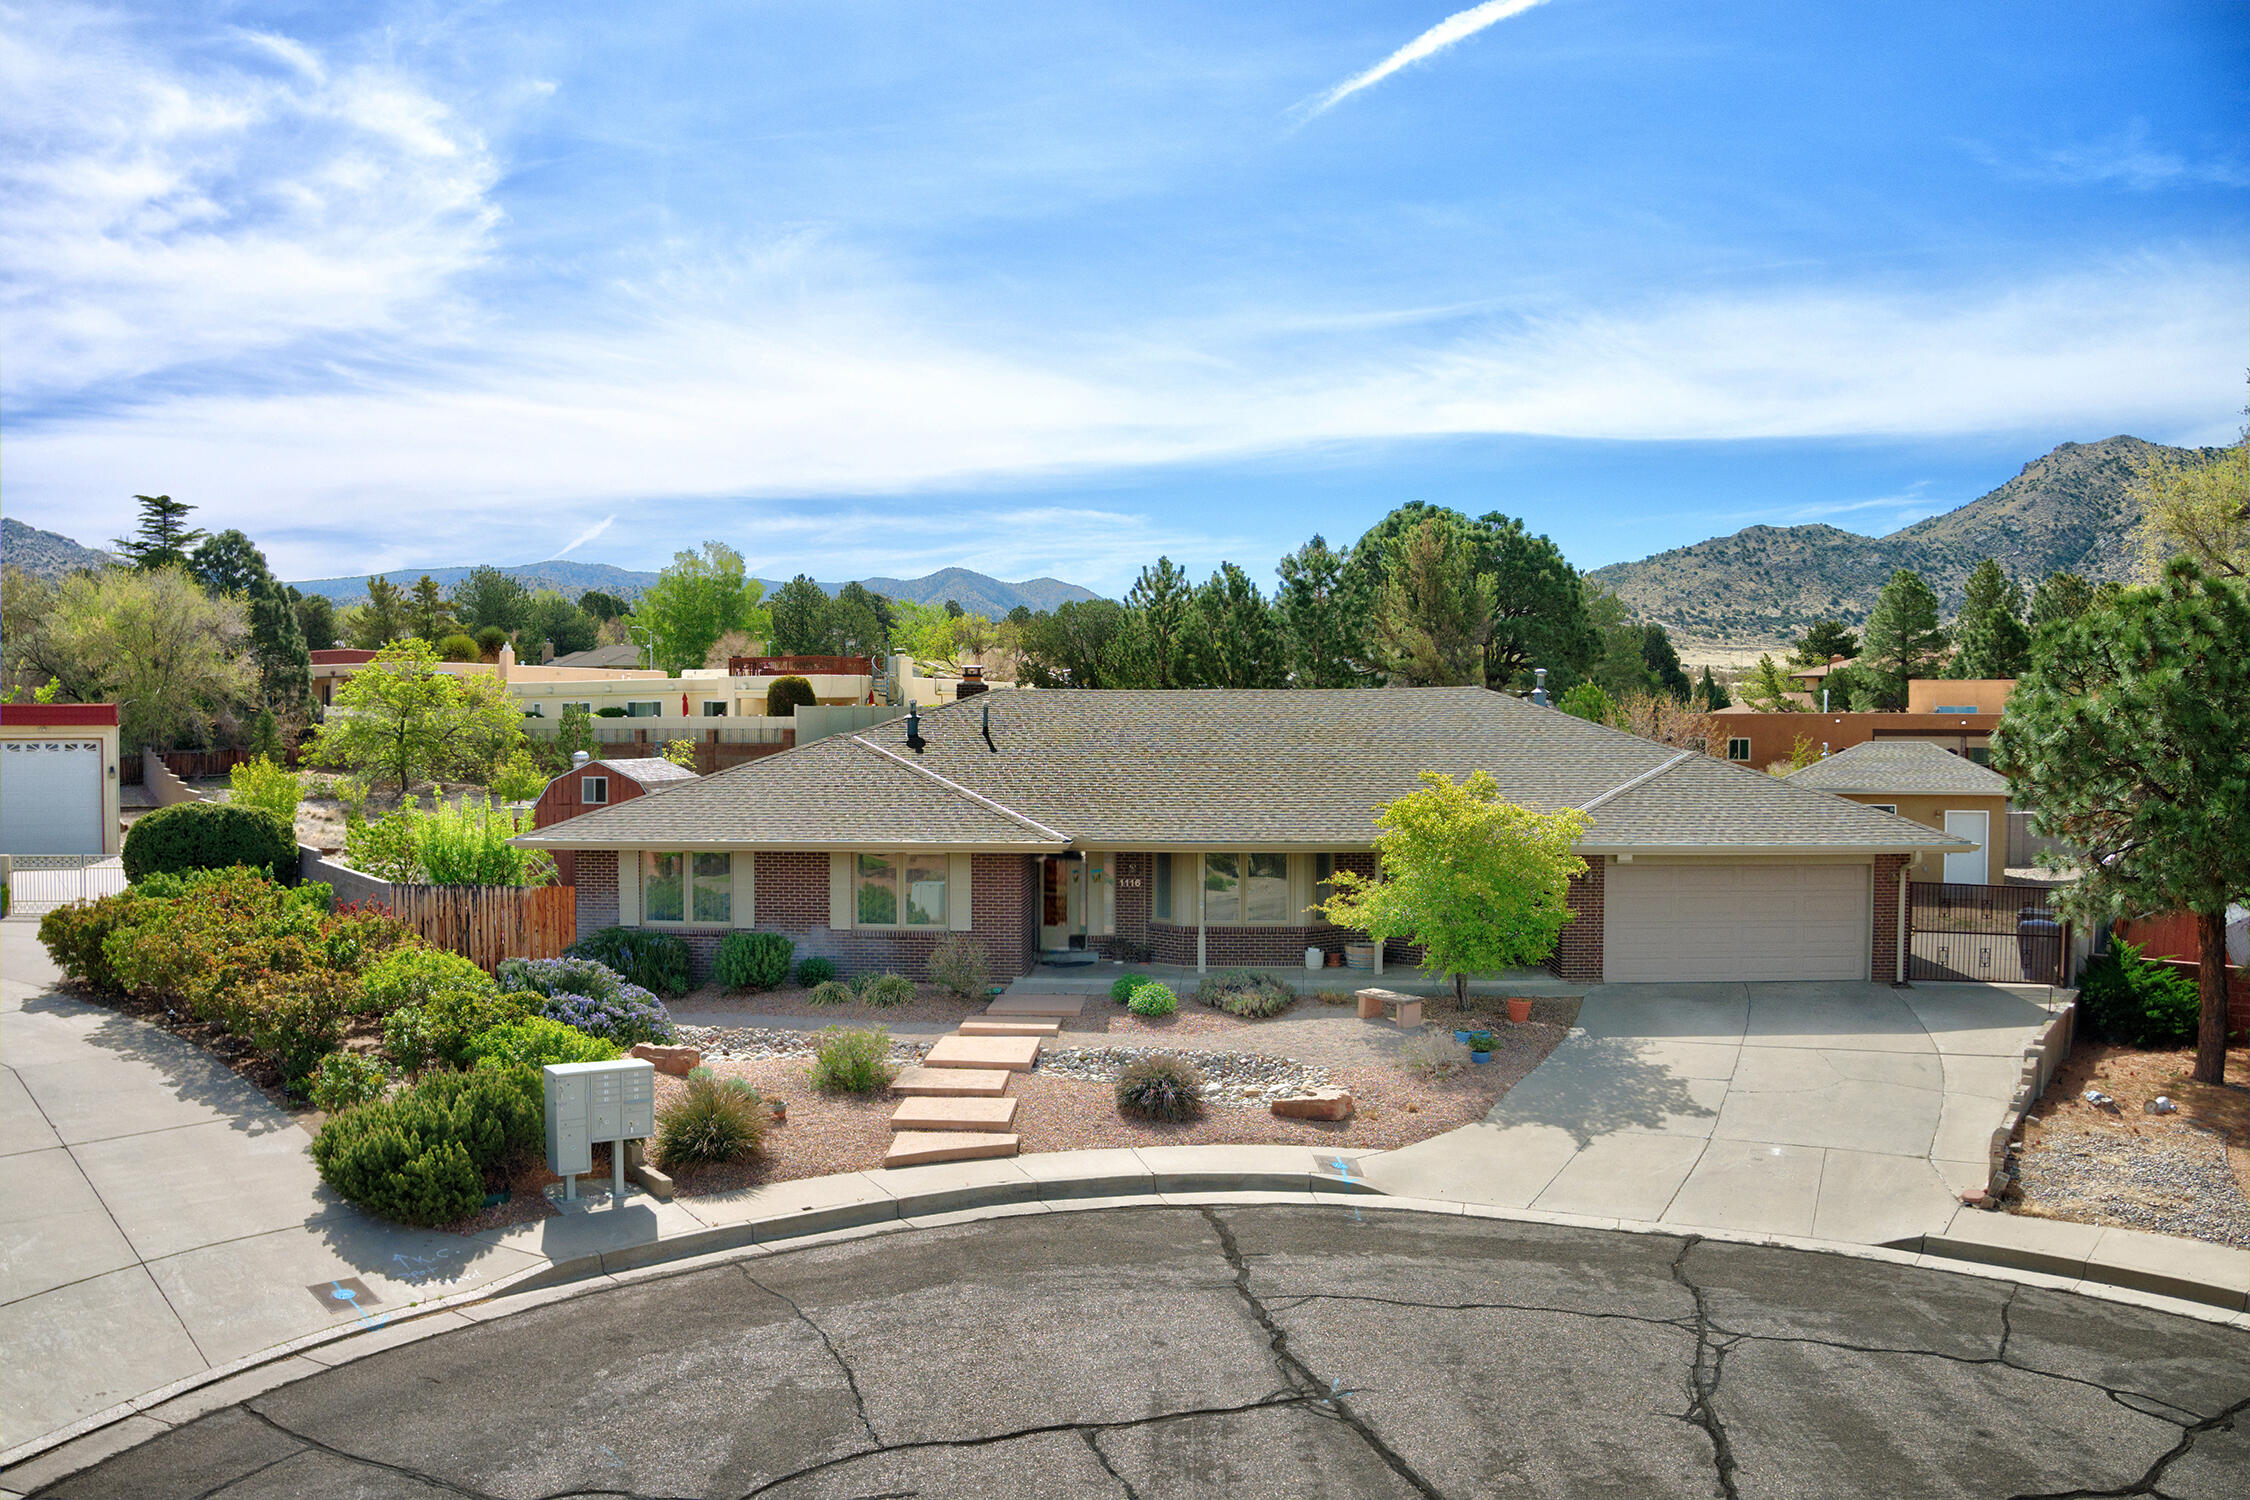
[486, 923]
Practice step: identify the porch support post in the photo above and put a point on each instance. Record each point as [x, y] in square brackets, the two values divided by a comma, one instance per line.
[1199, 950]
[1905, 890]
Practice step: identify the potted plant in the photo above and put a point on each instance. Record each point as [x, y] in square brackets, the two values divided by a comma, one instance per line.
[1519, 1009]
[1480, 1046]
[1462, 1034]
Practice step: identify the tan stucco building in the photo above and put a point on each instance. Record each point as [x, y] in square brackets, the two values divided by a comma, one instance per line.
[1933, 786]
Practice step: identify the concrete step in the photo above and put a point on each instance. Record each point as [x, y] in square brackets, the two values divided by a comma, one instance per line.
[954, 1114]
[1008, 1026]
[914, 1148]
[1016, 1054]
[1037, 1005]
[952, 1082]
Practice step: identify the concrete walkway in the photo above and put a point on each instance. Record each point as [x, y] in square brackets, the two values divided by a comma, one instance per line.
[1838, 1111]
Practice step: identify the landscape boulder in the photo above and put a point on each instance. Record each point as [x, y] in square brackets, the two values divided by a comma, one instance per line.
[1315, 1104]
[677, 1061]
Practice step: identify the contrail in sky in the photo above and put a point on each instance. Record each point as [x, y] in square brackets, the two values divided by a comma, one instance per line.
[587, 535]
[1444, 34]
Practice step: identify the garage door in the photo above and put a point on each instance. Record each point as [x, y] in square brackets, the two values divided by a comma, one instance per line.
[50, 797]
[1683, 922]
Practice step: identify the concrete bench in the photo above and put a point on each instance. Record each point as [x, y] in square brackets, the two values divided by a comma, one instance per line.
[1407, 1009]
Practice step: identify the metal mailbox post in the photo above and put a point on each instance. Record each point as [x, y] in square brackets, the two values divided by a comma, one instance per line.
[597, 1101]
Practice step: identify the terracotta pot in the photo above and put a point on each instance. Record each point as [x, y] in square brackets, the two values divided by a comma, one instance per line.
[1519, 1011]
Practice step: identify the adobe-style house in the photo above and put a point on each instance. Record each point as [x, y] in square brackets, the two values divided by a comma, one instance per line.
[1198, 826]
[1934, 787]
[591, 784]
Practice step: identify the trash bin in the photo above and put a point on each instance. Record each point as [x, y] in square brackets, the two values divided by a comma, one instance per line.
[2039, 946]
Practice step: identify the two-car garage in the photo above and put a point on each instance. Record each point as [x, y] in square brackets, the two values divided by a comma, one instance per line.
[1736, 921]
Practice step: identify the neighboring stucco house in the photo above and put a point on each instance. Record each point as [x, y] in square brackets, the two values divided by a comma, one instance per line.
[1197, 826]
[591, 784]
[1931, 786]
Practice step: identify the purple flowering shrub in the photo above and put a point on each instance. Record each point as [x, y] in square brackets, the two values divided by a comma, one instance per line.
[591, 997]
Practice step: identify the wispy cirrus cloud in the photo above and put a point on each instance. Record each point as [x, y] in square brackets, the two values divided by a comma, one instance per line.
[1455, 28]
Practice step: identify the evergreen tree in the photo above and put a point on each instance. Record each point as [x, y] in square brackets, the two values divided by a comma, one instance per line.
[1709, 695]
[1766, 688]
[316, 620]
[1663, 662]
[491, 598]
[278, 651]
[1162, 598]
[1823, 642]
[2060, 598]
[427, 613]
[556, 621]
[1903, 638]
[1989, 637]
[1323, 639]
[601, 606]
[229, 564]
[801, 619]
[1233, 638]
[1433, 618]
[862, 621]
[382, 619]
[164, 535]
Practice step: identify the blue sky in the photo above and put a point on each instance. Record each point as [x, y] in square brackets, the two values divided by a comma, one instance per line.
[1049, 288]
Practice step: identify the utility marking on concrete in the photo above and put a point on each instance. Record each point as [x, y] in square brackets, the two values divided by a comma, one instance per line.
[614, 1461]
[349, 1290]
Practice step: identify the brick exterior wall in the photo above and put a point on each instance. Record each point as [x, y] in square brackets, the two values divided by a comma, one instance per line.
[1883, 967]
[1578, 951]
[792, 899]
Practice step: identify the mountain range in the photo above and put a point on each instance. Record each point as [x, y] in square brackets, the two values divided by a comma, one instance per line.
[974, 592]
[44, 554]
[2072, 509]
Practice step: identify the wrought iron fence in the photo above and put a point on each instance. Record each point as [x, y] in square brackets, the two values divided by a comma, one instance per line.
[1999, 934]
[38, 883]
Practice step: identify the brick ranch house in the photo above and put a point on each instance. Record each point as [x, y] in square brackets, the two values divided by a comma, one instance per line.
[1196, 827]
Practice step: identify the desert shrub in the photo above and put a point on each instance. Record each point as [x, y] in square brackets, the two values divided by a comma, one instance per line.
[536, 1041]
[785, 695]
[345, 1080]
[753, 960]
[958, 963]
[885, 989]
[656, 961]
[2139, 1001]
[1431, 1054]
[1239, 992]
[852, 1060]
[812, 971]
[832, 992]
[459, 646]
[714, 1119]
[261, 783]
[1152, 998]
[453, 1019]
[210, 836]
[1121, 990]
[73, 935]
[416, 976]
[635, 1016]
[1160, 1086]
[424, 1155]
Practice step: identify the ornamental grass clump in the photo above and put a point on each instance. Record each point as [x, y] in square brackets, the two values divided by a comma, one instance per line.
[714, 1119]
[1152, 998]
[885, 989]
[852, 1060]
[1160, 1086]
[1240, 992]
[832, 992]
[1431, 1054]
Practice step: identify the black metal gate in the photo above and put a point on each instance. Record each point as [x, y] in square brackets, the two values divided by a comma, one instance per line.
[1999, 934]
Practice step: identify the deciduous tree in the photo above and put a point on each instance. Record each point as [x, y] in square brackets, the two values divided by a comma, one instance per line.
[229, 563]
[1478, 881]
[699, 598]
[2200, 510]
[2129, 740]
[169, 655]
[402, 718]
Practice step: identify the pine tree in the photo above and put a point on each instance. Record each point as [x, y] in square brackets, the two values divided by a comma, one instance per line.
[1161, 597]
[1323, 635]
[1433, 617]
[1233, 639]
[1903, 638]
[1709, 695]
[426, 613]
[277, 649]
[1822, 642]
[164, 535]
[2060, 597]
[1663, 662]
[1989, 636]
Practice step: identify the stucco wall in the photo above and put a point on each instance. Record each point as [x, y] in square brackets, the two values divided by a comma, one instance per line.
[1929, 864]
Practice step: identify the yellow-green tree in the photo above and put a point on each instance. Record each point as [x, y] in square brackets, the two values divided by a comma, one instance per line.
[1479, 882]
[402, 718]
[2198, 510]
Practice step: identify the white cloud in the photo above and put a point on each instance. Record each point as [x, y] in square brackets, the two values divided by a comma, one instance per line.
[160, 214]
[1454, 28]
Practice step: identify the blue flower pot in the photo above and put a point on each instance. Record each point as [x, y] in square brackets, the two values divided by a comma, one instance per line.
[1461, 1035]
[1480, 1057]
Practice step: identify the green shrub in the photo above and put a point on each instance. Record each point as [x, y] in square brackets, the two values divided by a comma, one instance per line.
[293, 1020]
[210, 836]
[785, 695]
[489, 641]
[753, 960]
[1160, 1086]
[812, 971]
[715, 1119]
[885, 989]
[1152, 998]
[1240, 992]
[261, 783]
[74, 935]
[853, 1060]
[454, 1019]
[832, 992]
[345, 1080]
[590, 996]
[2137, 1001]
[655, 961]
[459, 646]
[425, 1155]
[463, 843]
[534, 1042]
[1121, 990]
[418, 975]
[408, 1044]
[957, 962]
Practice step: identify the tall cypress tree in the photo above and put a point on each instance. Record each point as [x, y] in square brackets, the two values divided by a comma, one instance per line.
[277, 647]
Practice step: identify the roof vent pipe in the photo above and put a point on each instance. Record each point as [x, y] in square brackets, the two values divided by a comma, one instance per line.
[1539, 692]
[914, 740]
[579, 758]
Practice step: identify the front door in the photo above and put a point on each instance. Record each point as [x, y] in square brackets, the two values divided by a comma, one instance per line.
[1062, 897]
[1968, 867]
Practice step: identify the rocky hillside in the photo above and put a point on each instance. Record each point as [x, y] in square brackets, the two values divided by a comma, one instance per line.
[973, 591]
[2071, 509]
[44, 554]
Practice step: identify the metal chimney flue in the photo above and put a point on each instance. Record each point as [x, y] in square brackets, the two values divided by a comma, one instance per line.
[1539, 690]
[579, 758]
[914, 740]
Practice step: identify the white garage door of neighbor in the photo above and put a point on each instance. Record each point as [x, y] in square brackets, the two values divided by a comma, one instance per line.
[50, 797]
[1710, 922]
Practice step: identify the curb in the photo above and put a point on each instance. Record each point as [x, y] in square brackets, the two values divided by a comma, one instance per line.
[84, 1443]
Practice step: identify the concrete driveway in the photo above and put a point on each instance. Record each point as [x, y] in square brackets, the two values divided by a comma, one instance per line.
[1843, 1111]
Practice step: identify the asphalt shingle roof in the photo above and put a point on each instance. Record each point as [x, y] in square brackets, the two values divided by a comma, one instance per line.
[1901, 768]
[1261, 768]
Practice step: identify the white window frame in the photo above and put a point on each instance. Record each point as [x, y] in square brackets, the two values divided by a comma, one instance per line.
[900, 860]
[689, 880]
[655, 707]
[1743, 741]
[1889, 807]
[1238, 915]
[586, 785]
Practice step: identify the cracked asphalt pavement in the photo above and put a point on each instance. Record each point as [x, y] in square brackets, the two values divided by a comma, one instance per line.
[1249, 1352]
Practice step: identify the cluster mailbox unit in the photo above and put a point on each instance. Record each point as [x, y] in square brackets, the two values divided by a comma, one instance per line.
[597, 1101]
